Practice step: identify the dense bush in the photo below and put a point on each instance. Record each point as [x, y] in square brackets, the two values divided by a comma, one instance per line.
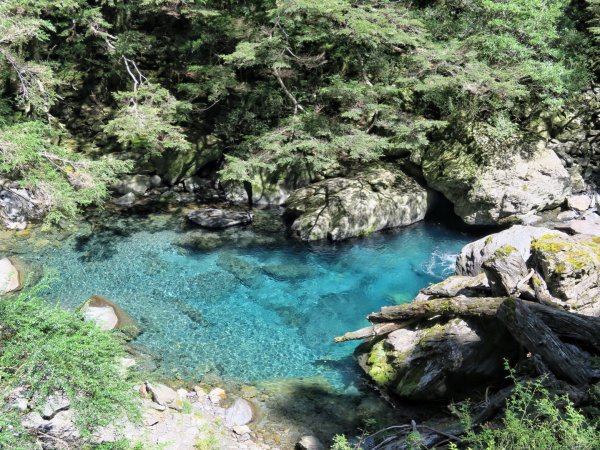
[46, 349]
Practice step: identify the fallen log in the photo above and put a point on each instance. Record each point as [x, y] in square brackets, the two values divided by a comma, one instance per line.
[380, 329]
[531, 331]
[457, 306]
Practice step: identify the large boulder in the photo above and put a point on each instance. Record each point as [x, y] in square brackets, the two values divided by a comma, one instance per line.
[500, 190]
[109, 316]
[240, 413]
[438, 361]
[340, 208]
[473, 255]
[134, 184]
[570, 265]
[10, 279]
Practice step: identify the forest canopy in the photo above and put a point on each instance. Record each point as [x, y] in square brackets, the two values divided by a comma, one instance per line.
[92, 89]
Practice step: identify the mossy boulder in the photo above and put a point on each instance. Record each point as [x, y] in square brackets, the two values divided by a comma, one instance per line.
[340, 208]
[518, 237]
[109, 316]
[570, 265]
[437, 361]
[496, 190]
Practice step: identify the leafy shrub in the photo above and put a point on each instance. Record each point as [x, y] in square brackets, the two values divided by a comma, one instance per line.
[46, 349]
[535, 419]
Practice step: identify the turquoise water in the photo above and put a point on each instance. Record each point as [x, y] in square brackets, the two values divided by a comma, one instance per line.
[249, 304]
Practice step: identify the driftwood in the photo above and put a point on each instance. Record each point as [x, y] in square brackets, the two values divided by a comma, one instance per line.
[380, 329]
[456, 306]
[530, 330]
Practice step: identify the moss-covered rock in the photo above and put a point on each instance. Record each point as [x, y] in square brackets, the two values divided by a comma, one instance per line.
[340, 208]
[570, 265]
[431, 362]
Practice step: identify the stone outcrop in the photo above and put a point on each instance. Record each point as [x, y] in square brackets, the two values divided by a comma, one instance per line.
[109, 316]
[473, 255]
[340, 208]
[502, 189]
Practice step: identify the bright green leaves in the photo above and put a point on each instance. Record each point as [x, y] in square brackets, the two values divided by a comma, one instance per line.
[146, 121]
[60, 180]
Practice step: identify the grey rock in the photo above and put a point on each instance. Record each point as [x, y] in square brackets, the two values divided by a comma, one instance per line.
[55, 403]
[17, 208]
[590, 225]
[126, 200]
[162, 394]
[566, 215]
[109, 316]
[10, 279]
[219, 218]
[503, 189]
[473, 255]
[309, 443]
[136, 184]
[579, 202]
[457, 285]
[240, 413]
[340, 208]
[216, 395]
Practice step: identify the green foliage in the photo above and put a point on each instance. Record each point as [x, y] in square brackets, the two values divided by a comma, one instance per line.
[47, 349]
[60, 180]
[535, 419]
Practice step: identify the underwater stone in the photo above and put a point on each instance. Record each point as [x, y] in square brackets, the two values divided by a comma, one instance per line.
[219, 218]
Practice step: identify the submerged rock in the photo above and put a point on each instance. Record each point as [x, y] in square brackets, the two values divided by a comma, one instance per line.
[341, 208]
[473, 255]
[502, 189]
[219, 218]
[109, 316]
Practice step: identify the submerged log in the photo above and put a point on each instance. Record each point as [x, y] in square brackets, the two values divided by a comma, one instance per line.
[531, 331]
[448, 307]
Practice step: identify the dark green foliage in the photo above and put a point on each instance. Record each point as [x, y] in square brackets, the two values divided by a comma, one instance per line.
[47, 349]
[308, 85]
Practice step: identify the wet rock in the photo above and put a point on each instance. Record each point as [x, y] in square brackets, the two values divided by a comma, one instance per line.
[341, 208]
[502, 189]
[579, 202]
[473, 255]
[162, 394]
[570, 265]
[240, 413]
[10, 280]
[219, 218]
[309, 443]
[109, 316]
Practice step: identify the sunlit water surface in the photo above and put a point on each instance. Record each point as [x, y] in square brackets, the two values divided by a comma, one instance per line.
[248, 304]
